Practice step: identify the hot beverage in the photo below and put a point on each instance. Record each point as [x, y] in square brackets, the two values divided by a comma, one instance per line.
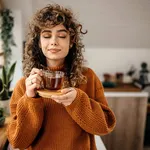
[53, 80]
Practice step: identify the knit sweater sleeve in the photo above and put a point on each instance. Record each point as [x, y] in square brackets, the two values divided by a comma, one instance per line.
[92, 114]
[27, 117]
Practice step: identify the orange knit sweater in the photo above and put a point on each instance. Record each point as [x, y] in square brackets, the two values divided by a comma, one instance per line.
[43, 124]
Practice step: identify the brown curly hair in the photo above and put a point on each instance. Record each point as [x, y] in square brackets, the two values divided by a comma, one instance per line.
[49, 16]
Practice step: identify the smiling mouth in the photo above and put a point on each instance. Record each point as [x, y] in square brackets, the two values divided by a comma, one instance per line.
[53, 50]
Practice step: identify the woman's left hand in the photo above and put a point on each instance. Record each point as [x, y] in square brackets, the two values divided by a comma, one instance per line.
[67, 97]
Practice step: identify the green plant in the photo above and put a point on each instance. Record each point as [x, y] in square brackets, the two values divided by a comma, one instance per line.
[5, 81]
[1, 112]
[2, 117]
[6, 26]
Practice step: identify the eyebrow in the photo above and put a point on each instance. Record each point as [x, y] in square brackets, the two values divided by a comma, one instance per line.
[61, 30]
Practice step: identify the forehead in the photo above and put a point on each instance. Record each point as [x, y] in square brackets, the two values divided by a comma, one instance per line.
[57, 28]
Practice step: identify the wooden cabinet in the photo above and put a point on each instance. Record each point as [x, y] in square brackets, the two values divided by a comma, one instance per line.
[130, 110]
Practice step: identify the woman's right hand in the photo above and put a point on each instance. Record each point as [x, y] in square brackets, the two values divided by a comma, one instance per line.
[33, 82]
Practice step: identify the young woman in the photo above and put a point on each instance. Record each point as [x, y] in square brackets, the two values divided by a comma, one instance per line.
[62, 122]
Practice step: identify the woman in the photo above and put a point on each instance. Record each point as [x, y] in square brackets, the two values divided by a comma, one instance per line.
[62, 122]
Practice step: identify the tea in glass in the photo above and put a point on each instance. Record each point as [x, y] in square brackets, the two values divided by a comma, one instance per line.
[53, 80]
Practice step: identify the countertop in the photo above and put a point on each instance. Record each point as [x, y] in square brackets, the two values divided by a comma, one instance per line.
[126, 94]
[125, 90]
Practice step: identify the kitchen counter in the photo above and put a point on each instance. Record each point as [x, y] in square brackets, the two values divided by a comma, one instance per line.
[130, 109]
[126, 94]
[123, 88]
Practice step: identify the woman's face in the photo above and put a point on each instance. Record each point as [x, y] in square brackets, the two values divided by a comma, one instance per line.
[55, 43]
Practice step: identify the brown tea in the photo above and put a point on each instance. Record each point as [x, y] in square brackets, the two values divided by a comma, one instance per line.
[53, 83]
[53, 80]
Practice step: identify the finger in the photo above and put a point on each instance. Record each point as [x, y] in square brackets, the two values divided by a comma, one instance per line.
[66, 104]
[29, 83]
[34, 79]
[38, 86]
[63, 101]
[36, 71]
[35, 76]
[32, 87]
[66, 90]
[61, 97]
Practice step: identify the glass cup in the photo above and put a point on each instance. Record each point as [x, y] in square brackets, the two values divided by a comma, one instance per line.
[52, 80]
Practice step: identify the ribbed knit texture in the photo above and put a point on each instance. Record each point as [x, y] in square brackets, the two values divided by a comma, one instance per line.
[43, 124]
[60, 68]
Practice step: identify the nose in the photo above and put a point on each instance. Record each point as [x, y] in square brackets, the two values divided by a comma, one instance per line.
[54, 41]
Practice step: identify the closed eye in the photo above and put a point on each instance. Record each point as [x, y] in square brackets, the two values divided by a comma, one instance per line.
[62, 37]
[46, 37]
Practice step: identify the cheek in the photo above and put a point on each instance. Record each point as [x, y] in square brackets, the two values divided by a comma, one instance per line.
[43, 44]
[66, 46]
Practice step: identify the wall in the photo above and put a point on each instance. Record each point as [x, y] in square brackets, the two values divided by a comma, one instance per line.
[121, 23]
[118, 31]
[112, 60]
[17, 51]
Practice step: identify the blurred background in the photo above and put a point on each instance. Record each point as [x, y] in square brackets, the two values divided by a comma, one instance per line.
[117, 48]
[118, 31]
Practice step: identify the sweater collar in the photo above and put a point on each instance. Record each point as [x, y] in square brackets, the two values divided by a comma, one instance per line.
[58, 68]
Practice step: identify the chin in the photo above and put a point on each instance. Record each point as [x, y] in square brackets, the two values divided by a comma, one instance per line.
[56, 58]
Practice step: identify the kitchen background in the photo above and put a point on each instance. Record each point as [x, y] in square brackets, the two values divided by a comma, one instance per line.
[118, 38]
[118, 32]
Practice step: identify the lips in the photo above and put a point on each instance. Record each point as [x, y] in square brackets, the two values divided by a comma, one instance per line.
[53, 50]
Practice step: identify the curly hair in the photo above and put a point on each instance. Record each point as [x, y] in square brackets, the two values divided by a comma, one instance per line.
[50, 16]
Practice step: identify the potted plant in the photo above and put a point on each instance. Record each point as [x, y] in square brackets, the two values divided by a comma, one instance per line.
[5, 82]
[2, 117]
[6, 34]
[7, 72]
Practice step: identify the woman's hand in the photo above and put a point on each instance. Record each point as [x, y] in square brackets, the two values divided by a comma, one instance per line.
[67, 97]
[33, 82]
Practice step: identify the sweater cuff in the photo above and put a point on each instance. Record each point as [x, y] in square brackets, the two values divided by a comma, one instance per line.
[33, 99]
[28, 103]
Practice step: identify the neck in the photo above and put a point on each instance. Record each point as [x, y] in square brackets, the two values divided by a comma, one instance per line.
[53, 63]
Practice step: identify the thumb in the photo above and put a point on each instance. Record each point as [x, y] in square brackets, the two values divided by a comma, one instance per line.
[66, 90]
